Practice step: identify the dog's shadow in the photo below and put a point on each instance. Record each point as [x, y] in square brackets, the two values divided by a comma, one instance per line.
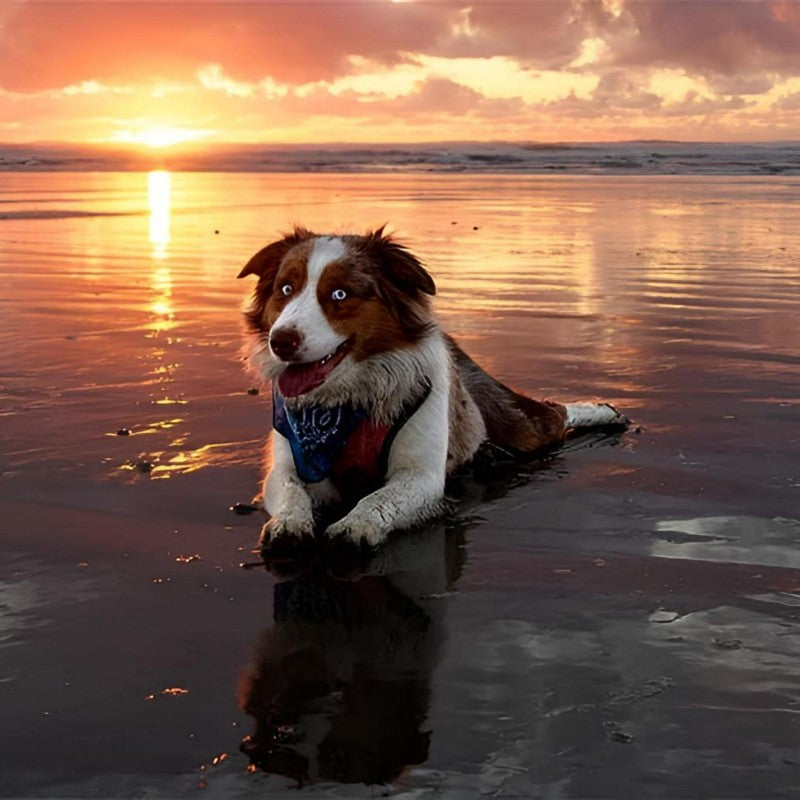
[340, 683]
[494, 472]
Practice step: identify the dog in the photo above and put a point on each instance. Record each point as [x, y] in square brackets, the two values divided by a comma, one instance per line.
[373, 404]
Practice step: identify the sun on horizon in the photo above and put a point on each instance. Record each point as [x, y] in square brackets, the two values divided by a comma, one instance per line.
[158, 137]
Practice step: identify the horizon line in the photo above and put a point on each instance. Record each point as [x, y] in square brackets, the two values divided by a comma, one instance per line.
[206, 145]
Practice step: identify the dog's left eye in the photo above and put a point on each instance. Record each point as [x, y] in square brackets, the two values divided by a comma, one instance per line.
[286, 289]
[338, 294]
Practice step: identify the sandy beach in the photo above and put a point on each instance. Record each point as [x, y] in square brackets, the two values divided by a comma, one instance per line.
[620, 620]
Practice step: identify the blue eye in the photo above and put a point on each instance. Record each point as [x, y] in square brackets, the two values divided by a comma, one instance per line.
[286, 289]
[338, 294]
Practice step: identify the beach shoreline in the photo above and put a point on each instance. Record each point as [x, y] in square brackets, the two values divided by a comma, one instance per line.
[613, 619]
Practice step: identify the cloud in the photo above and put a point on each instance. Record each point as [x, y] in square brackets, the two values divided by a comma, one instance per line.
[455, 68]
[437, 96]
[742, 83]
[505, 77]
[211, 77]
[790, 102]
[693, 104]
[51, 44]
[541, 33]
[723, 37]
[45, 45]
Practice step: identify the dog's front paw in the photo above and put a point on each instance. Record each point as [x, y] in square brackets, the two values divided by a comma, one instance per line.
[291, 530]
[358, 529]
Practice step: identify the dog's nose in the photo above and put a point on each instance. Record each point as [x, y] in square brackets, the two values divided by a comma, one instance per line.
[285, 342]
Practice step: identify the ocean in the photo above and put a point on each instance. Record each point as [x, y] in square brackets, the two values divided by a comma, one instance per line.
[633, 158]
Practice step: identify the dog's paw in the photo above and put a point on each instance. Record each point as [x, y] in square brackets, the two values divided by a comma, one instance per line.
[362, 531]
[286, 529]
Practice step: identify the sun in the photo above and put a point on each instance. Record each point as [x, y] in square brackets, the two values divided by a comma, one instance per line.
[160, 136]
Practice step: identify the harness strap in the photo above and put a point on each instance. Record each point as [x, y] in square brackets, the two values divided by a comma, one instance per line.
[319, 436]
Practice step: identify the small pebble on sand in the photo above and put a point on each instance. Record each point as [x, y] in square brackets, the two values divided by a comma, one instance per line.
[662, 615]
[615, 734]
[727, 644]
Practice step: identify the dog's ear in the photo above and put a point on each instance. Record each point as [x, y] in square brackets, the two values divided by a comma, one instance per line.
[265, 262]
[398, 264]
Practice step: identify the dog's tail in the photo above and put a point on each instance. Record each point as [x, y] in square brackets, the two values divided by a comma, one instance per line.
[594, 415]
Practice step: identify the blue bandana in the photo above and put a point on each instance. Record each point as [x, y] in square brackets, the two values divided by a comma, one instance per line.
[316, 434]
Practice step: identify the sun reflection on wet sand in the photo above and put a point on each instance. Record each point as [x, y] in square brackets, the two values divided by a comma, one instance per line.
[161, 306]
[150, 428]
[159, 191]
[165, 464]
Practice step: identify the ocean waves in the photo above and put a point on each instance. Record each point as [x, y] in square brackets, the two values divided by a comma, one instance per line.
[641, 157]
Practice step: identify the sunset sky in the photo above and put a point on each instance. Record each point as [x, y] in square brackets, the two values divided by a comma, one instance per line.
[382, 71]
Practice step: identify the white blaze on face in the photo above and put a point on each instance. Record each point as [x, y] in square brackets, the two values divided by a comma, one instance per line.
[304, 313]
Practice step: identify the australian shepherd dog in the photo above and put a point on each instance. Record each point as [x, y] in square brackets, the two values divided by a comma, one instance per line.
[373, 404]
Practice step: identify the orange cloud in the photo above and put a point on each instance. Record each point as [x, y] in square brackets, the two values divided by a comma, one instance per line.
[311, 71]
[44, 43]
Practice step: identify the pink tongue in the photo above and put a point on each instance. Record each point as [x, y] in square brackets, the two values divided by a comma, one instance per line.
[301, 378]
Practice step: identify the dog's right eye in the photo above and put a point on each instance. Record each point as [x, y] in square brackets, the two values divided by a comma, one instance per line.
[286, 289]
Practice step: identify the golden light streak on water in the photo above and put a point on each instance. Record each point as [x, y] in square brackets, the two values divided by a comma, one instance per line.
[161, 304]
[159, 190]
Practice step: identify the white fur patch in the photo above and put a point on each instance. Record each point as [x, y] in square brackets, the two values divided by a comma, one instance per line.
[327, 249]
[304, 313]
[415, 473]
[590, 415]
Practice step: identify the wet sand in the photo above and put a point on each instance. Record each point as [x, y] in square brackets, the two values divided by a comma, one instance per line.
[619, 619]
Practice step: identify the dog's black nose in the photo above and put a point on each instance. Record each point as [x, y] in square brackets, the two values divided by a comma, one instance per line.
[285, 342]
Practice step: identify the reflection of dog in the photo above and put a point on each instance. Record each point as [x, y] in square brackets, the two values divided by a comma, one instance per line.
[373, 405]
[340, 687]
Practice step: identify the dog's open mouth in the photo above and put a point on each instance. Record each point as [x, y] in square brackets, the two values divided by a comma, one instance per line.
[298, 379]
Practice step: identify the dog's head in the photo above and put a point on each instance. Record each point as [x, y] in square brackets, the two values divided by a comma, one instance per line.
[324, 300]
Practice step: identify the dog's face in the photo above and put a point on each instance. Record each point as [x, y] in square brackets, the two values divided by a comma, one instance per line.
[322, 301]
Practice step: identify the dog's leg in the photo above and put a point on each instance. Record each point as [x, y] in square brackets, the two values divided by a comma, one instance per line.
[414, 487]
[592, 415]
[322, 494]
[407, 499]
[285, 496]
